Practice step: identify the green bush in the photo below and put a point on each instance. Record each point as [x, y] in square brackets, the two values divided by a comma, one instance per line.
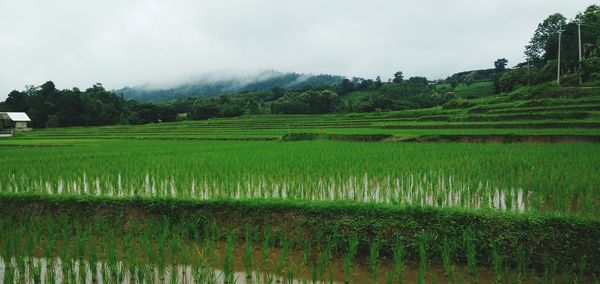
[458, 103]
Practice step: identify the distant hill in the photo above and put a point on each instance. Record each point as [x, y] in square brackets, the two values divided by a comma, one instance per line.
[212, 87]
[478, 75]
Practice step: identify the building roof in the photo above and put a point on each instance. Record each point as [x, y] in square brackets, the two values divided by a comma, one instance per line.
[15, 116]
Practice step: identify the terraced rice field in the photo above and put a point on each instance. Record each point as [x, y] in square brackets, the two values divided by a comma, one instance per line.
[355, 198]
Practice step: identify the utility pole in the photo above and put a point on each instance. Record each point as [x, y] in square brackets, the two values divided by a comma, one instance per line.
[560, 31]
[579, 37]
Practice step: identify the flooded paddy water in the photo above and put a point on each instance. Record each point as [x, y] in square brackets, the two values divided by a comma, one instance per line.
[411, 190]
[27, 269]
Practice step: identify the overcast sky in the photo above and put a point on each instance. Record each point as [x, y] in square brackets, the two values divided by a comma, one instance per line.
[119, 43]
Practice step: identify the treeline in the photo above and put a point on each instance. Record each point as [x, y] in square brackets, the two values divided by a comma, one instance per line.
[542, 53]
[49, 107]
[397, 94]
[415, 92]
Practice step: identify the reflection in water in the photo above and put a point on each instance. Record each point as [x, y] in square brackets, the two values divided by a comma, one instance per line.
[54, 270]
[43, 270]
[407, 189]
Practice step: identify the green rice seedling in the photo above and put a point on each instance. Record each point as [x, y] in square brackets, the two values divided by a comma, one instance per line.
[553, 268]
[7, 239]
[22, 267]
[446, 253]
[66, 267]
[106, 273]
[211, 276]
[374, 258]
[175, 247]
[148, 273]
[132, 272]
[79, 242]
[266, 245]
[73, 272]
[112, 252]
[353, 243]
[389, 277]
[469, 240]
[290, 271]
[131, 258]
[248, 254]
[118, 272]
[270, 278]
[285, 245]
[521, 260]
[185, 255]
[9, 271]
[313, 271]
[399, 259]
[319, 239]
[162, 272]
[423, 260]
[208, 251]
[29, 244]
[228, 269]
[36, 271]
[147, 249]
[306, 252]
[93, 260]
[141, 273]
[50, 269]
[81, 271]
[50, 237]
[197, 272]
[347, 262]
[51, 276]
[278, 269]
[581, 267]
[161, 245]
[497, 265]
[323, 262]
[567, 273]
[545, 262]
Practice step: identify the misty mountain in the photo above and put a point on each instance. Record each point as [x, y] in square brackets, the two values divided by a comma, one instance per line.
[209, 87]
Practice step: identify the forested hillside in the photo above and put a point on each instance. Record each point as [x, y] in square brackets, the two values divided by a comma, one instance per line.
[212, 87]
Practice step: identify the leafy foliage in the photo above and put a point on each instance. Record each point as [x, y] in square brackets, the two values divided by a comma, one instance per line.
[49, 107]
[310, 102]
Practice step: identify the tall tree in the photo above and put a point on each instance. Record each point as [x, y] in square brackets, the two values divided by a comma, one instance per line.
[398, 77]
[544, 39]
[345, 87]
[378, 83]
[500, 65]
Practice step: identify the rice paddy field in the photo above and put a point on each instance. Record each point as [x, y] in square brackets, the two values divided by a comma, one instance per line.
[498, 191]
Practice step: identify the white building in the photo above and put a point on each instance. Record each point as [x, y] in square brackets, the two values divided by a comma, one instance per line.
[14, 120]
